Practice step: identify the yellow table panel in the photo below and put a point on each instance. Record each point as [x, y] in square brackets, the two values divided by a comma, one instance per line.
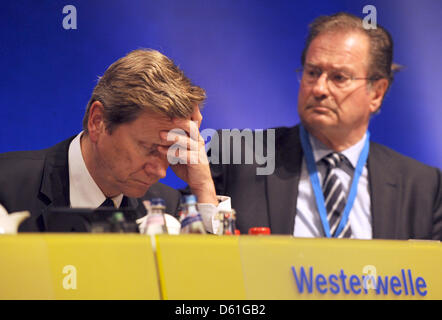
[77, 266]
[117, 266]
[203, 267]
[24, 268]
[268, 274]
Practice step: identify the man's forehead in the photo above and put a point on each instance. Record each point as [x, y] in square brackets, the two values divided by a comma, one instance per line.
[338, 49]
[162, 123]
[152, 123]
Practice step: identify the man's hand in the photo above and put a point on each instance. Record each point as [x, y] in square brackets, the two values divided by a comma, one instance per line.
[187, 146]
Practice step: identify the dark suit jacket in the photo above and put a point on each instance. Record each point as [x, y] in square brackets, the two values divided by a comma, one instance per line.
[38, 180]
[405, 194]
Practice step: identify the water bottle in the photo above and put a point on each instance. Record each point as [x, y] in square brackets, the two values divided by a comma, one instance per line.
[155, 220]
[191, 220]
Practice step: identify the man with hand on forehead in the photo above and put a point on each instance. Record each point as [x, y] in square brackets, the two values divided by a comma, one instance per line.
[122, 151]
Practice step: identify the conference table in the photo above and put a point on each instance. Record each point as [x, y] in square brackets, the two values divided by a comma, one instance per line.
[209, 267]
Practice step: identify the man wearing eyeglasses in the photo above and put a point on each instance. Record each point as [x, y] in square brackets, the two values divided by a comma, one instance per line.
[330, 180]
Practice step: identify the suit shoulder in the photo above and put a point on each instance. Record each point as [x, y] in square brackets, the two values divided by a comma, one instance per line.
[22, 167]
[21, 161]
[29, 159]
[20, 177]
[282, 132]
[404, 164]
[22, 155]
[19, 170]
[286, 135]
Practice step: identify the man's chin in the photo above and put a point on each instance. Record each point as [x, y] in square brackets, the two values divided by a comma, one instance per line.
[137, 192]
[318, 121]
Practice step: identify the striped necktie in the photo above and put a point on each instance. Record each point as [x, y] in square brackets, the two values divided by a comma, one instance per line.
[334, 195]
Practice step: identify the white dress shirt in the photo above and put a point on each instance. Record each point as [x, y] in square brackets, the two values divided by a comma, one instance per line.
[85, 193]
[307, 221]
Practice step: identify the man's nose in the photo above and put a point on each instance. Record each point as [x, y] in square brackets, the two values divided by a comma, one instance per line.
[157, 168]
[320, 88]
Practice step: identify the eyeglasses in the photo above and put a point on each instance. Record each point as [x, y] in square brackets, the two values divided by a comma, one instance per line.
[340, 79]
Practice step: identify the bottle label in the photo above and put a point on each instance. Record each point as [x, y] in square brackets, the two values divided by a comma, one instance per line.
[154, 224]
[155, 219]
[190, 219]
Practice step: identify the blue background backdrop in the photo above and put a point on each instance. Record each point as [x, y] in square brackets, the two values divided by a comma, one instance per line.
[243, 52]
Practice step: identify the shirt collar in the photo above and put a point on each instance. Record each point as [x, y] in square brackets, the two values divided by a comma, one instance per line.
[352, 153]
[83, 191]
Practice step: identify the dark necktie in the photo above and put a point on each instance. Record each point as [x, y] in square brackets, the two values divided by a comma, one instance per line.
[334, 195]
[107, 203]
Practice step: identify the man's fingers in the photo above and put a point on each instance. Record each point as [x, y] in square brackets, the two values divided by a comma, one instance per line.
[179, 137]
[178, 155]
[183, 146]
[191, 128]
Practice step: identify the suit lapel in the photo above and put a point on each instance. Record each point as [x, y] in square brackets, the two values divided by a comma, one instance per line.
[55, 179]
[384, 194]
[282, 185]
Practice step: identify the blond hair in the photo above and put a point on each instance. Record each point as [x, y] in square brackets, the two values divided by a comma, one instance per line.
[144, 79]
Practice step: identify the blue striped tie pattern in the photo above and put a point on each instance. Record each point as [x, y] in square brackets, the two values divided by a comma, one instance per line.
[334, 195]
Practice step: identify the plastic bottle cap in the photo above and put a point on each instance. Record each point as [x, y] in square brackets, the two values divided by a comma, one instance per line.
[259, 230]
[189, 199]
[158, 202]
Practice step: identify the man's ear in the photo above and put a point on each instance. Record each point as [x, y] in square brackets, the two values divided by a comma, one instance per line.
[95, 122]
[379, 87]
